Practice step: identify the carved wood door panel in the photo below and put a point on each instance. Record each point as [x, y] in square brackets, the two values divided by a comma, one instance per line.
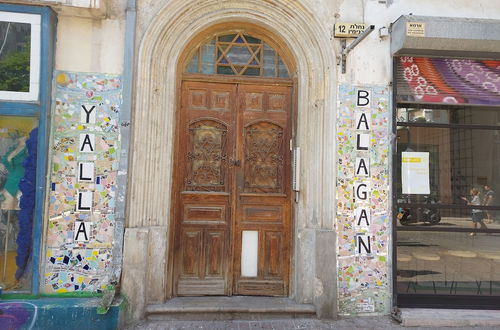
[202, 188]
[232, 182]
[263, 191]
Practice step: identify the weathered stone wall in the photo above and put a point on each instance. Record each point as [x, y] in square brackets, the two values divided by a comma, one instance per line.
[161, 45]
[164, 28]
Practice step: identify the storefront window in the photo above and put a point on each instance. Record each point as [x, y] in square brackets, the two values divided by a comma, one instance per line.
[448, 211]
[18, 137]
[447, 183]
[26, 63]
[448, 263]
[19, 56]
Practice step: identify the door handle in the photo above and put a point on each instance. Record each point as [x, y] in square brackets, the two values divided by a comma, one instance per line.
[234, 162]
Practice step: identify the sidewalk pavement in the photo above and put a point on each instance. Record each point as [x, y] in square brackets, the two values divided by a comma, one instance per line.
[379, 322]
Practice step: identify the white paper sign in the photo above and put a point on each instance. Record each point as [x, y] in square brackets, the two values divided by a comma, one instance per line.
[415, 173]
[362, 166]
[363, 98]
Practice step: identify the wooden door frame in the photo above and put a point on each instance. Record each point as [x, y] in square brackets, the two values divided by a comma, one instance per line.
[164, 45]
[175, 200]
[288, 58]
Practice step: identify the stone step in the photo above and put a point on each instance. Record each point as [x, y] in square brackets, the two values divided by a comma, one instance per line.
[426, 317]
[229, 308]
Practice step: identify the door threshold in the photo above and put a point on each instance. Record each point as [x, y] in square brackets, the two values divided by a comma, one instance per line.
[228, 308]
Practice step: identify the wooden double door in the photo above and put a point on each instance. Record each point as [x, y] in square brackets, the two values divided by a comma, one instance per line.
[232, 194]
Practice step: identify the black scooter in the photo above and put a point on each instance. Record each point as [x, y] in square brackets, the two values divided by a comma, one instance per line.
[414, 215]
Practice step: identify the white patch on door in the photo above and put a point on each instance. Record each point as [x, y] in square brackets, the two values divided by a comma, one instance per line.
[249, 253]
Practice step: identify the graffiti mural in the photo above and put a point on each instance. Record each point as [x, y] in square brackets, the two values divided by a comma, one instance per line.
[17, 315]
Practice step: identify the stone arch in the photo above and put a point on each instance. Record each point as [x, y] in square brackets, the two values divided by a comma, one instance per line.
[154, 116]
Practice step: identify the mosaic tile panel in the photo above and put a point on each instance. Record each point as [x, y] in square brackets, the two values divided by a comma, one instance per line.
[363, 269]
[82, 231]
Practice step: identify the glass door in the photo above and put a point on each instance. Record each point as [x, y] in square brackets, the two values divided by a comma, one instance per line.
[447, 206]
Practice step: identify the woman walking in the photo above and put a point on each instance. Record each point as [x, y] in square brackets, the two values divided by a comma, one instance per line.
[477, 215]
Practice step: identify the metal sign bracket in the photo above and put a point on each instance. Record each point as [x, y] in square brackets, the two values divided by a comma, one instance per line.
[346, 49]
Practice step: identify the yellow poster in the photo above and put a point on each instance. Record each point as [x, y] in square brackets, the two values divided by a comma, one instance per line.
[415, 173]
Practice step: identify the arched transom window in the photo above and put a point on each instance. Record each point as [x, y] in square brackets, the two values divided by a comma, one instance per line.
[237, 54]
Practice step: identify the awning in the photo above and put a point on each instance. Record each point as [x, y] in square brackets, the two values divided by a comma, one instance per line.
[453, 37]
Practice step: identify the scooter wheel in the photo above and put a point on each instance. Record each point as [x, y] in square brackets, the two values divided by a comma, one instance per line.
[434, 219]
[404, 221]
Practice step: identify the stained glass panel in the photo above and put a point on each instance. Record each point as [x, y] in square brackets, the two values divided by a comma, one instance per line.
[227, 37]
[237, 54]
[193, 64]
[224, 70]
[283, 72]
[269, 61]
[208, 57]
[252, 40]
[252, 72]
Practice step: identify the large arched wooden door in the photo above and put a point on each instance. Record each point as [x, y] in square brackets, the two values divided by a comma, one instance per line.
[232, 186]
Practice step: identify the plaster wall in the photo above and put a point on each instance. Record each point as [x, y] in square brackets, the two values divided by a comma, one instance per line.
[370, 61]
[92, 44]
[78, 8]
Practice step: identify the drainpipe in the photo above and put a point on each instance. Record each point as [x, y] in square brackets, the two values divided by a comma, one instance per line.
[125, 117]
[347, 50]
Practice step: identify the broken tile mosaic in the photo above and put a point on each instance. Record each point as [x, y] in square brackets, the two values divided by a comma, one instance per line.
[85, 129]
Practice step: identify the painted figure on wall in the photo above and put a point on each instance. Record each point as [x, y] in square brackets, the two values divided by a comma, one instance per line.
[17, 145]
[13, 162]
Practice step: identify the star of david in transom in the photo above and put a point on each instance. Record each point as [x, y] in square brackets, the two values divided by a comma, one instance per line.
[239, 53]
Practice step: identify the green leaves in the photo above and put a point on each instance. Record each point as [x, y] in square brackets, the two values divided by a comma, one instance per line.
[15, 70]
